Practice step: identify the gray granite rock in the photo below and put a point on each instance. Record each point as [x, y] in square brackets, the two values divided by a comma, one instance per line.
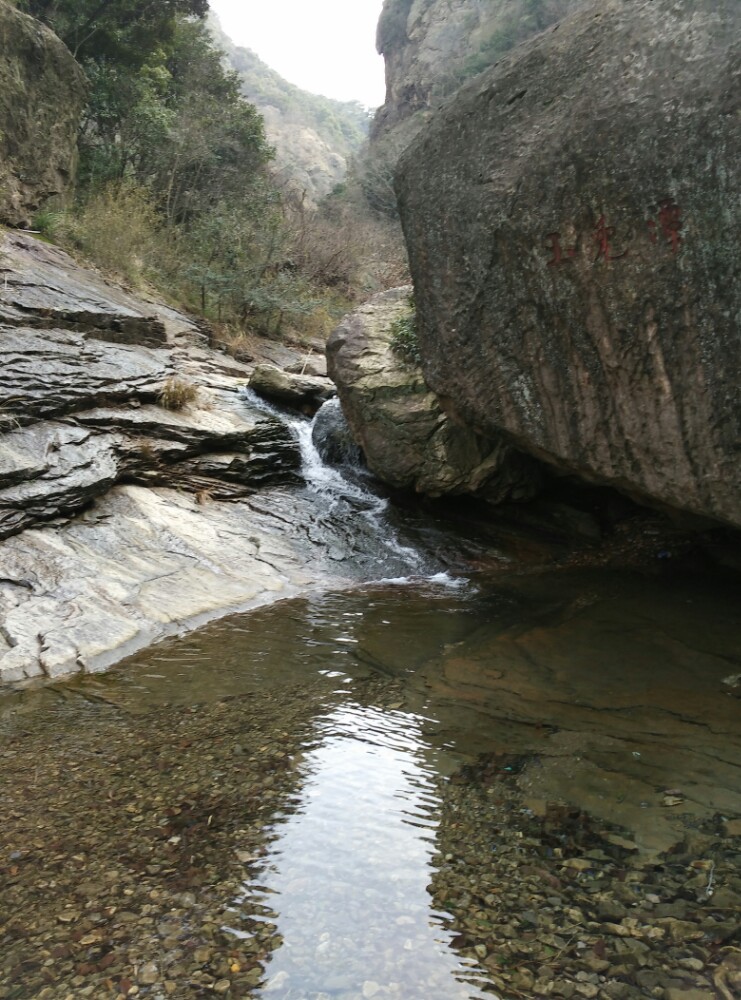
[407, 438]
[571, 220]
[301, 392]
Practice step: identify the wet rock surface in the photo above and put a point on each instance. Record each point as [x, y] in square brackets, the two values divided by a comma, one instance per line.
[575, 264]
[332, 436]
[111, 501]
[407, 439]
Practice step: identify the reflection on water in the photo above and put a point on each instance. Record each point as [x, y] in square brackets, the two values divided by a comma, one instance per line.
[346, 880]
[432, 792]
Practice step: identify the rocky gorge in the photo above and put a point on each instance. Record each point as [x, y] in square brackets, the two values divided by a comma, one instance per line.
[433, 696]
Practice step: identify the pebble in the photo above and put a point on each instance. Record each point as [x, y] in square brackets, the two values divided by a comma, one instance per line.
[149, 974]
[541, 901]
[277, 982]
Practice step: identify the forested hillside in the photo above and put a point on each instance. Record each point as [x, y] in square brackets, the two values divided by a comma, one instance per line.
[314, 137]
[176, 186]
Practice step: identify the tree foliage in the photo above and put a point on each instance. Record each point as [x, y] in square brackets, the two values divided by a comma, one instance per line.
[176, 124]
[174, 187]
[122, 31]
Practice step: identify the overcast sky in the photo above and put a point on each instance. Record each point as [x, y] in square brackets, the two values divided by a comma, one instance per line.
[324, 46]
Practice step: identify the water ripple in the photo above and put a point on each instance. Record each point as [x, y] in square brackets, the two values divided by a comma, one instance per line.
[346, 879]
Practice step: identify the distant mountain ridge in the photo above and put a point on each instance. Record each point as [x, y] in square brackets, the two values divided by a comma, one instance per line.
[315, 137]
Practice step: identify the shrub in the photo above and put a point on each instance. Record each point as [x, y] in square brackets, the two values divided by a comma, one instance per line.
[404, 342]
[49, 223]
[118, 229]
[176, 394]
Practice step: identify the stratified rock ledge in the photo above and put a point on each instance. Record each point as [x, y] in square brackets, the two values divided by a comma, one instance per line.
[122, 520]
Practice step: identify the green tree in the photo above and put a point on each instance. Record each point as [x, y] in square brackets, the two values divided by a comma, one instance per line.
[216, 146]
[125, 31]
[176, 125]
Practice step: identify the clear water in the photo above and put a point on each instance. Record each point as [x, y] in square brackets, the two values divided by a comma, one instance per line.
[345, 883]
[605, 692]
[377, 860]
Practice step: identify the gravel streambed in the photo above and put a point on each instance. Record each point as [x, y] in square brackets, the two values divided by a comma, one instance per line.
[143, 810]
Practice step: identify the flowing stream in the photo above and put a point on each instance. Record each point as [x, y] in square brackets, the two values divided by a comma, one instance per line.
[418, 787]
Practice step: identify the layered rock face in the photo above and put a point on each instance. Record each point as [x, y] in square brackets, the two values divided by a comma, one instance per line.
[42, 92]
[122, 519]
[406, 438]
[572, 224]
[87, 370]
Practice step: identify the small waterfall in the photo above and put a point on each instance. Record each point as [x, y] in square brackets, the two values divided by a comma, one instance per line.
[328, 480]
[345, 505]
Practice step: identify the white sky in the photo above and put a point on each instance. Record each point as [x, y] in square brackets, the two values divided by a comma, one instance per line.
[323, 46]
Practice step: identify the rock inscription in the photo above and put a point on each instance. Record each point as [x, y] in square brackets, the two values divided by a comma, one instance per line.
[600, 244]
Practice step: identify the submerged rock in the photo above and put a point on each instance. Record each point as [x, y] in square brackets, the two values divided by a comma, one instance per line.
[571, 223]
[408, 440]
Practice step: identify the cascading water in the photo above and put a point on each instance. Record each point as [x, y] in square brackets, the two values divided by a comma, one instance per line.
[346, 515]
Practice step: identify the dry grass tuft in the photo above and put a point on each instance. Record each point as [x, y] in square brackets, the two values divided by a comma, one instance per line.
[176, 394]
[236, 342]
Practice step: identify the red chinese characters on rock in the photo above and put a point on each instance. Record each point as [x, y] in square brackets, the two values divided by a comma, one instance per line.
[603, 234]
[665, 228]
[560, 255]
[670, 222]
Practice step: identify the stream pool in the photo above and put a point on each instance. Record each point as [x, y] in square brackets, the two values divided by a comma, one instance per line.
[431, 790]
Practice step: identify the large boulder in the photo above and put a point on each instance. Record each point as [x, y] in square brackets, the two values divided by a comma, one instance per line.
[301, 392]
[407, 439]
[572, 223]
[42, 93]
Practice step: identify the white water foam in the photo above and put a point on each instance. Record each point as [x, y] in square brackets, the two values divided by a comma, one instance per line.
[339, 493]
[439, 579]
